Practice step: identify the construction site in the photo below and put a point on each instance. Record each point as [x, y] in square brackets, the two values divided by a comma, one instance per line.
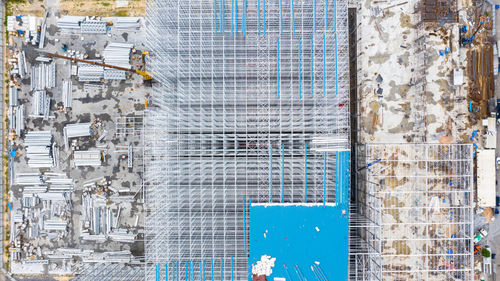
[250, 140]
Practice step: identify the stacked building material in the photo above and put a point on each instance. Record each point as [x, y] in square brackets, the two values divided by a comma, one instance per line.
[57, 225]
[93, 27]
[39, 147]
[69, 22]
[28, 179]
[122, 235]
[76, 130]
[114, 74]
[117, 54]
[19, 128]
[42, 35]
[13, 100]
[67, 93]
[41, 105]
[87, 158]
[127, 23]
[90, 73]
[43, 76]
[23, 67]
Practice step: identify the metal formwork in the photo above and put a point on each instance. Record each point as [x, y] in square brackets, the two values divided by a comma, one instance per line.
[252, 105]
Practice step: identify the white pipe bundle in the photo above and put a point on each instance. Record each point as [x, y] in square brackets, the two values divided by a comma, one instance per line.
[39, 149]
[127, 23]
[87, 158]
[69, 22]
[74, 131]
[118, 54]
[67, 93]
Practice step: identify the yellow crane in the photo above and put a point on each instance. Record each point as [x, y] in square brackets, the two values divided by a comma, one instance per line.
[145, 76]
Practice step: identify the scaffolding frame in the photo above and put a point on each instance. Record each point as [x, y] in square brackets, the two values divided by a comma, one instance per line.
[424, 204]
[252, 105]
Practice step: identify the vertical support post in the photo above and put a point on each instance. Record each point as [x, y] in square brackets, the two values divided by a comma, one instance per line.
[324, 65]
[232, 279]
[203, 266]
[326, 15]
[324, 182]
[244, 24]
[244, 226]
[293, 19]
[258, 14]
[314, 17]
[281, 17]
[312, 65]
[271, 173]
[282, 172]
[264, 14]
[300, 69]
[221, 269]
[335, 34]
[166, 271]
[178, 271]
[215, 15]
[187, 271]
[212, 264]
[278, 64]
[305, 173]
[191, 273]
[232, 18]
[236, 16]
[222, 16]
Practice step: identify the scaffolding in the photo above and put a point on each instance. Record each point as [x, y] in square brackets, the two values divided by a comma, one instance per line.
[416, 204]
[252, 105]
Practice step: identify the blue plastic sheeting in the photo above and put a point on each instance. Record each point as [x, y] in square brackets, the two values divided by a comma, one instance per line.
[342, 178]
[300, 237]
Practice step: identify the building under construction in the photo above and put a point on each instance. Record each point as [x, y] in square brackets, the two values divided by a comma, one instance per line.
[415, 217]
[249, 120]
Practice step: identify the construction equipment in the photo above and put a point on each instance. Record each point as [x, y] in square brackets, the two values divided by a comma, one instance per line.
[145, 76]
[467, 41]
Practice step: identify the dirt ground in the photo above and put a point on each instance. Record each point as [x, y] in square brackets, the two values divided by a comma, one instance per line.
[35, 8]
[103, 8]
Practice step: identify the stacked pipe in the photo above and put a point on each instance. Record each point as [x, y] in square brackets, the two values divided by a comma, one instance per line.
[43, 76]
[39, 146]
[21, 60]
[19, 120]
[93, 27]
[76, 130]
[67, 93]
[13, 101]
[90, 73]
[87, 158]
[41, 105]
[69, 22]
[127, 23]
[117, 54]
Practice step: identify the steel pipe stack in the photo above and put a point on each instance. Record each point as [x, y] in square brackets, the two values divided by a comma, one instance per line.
[67, 93]
[76, 130]
[39, 149]
[87, 158]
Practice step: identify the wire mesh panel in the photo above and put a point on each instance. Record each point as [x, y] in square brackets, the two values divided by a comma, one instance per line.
[251, 104]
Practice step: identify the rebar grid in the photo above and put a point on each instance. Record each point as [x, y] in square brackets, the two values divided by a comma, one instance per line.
[426, 213]
[252, 104]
